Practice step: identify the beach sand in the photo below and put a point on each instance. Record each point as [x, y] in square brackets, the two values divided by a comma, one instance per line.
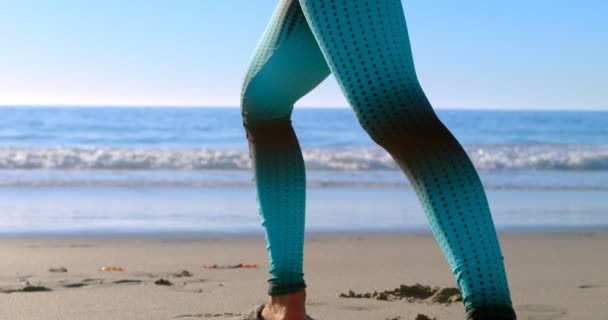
[552, 276]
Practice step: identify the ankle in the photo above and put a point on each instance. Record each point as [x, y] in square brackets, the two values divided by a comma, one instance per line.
[295, 299]
[288, 306]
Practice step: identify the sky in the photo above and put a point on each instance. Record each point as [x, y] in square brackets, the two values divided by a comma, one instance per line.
[518, 54]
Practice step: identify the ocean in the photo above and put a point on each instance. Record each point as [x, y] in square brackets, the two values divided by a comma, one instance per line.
[137, 169]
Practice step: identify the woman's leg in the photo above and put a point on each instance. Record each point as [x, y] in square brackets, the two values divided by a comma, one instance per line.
[286, 65]
[367, 48]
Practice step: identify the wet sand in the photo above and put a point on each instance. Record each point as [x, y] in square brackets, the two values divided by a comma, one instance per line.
[552, 276]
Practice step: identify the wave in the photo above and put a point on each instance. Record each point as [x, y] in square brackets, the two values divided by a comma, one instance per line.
[364, 158]
[241, 184]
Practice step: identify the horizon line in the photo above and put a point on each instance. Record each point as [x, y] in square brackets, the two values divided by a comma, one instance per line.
[583, 109]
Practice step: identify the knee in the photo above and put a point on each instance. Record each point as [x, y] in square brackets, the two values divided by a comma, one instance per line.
[263, 101]
[262, 119]
[399, 127]
[275, 131]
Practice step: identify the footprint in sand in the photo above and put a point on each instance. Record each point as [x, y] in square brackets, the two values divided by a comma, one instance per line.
[540, 312]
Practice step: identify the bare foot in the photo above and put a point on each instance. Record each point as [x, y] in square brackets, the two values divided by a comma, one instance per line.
[286, 307]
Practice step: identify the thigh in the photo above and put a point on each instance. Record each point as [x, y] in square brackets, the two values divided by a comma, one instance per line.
[367, 48]
[286, 65]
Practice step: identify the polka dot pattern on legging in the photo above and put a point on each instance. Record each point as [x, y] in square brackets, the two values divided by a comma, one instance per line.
[367, 48]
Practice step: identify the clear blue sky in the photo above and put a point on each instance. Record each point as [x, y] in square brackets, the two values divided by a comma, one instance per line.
[519, 54]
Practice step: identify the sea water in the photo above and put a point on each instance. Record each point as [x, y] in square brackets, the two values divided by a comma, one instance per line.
[95, 169]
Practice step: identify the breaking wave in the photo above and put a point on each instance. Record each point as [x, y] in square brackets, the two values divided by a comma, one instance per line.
[365, 158]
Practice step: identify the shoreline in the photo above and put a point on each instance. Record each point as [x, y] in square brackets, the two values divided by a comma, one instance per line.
[49, 210]
[169, 234]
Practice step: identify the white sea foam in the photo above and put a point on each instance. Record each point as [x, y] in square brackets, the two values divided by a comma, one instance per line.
[368, 158]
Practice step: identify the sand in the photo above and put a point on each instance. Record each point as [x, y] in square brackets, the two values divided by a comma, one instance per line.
[552, 276]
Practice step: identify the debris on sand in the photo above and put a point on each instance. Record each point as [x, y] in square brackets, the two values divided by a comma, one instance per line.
[421, 316]
[123, 281]
[415, 293]
[112, 268]
[447, 295]
[58, 269]
[184, 273]
[35, 289]
[231, 266]
[27, 289]
[90, 280]
[163, 282]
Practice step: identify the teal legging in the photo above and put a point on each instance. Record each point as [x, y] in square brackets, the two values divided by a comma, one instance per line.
[365, 45]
